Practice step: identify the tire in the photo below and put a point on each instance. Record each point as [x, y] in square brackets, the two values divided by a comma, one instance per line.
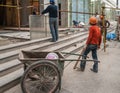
[41, 77]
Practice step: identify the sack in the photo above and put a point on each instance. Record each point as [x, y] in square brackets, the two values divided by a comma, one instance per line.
[110, 36]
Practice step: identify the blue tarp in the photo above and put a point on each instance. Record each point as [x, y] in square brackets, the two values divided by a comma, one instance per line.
[110, 36]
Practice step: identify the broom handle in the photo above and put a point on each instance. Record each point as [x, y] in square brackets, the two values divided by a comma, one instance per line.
[78, 58]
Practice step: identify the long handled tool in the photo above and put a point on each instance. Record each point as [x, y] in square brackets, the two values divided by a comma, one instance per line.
[79, 58]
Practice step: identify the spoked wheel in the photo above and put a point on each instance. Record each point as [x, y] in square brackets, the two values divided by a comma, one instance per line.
[41, 77]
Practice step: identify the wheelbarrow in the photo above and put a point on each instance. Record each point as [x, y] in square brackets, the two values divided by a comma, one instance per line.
[42, 75]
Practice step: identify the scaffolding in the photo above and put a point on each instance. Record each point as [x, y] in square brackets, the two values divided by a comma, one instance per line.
[117, 27]
[18, 9]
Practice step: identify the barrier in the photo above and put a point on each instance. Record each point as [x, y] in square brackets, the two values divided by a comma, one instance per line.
[39, 26]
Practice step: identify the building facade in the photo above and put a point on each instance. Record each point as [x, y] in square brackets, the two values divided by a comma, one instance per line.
[16, 12]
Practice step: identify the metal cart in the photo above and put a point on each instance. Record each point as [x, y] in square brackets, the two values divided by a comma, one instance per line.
[42, 75]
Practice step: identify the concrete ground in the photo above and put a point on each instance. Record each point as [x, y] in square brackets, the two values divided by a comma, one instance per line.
[107, 80]
[12, 37]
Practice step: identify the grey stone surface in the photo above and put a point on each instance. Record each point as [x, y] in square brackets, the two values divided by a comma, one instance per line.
[22, 35]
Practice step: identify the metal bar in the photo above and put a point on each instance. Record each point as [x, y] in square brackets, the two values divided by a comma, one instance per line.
[76, 12]
[8, 6]
[112, 8]
[18, 14]
[12, 6]
[45, 4]
[60, 59]
[73, 54]
[78, 59]
[117, 3]
[103, 23]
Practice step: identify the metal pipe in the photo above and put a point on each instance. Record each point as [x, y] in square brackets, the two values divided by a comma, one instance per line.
[60, 59]
[116, 3]
[76, 12]
[13, 6]
[18, 14]
[73, 54]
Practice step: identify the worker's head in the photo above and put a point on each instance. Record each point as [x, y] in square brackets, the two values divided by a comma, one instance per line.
[101, 16]
[93, 20]
[52, 2]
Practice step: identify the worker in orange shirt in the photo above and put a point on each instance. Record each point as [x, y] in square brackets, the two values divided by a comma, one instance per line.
[92, 44]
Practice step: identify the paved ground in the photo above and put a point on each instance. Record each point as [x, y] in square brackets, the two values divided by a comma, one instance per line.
[107, 80]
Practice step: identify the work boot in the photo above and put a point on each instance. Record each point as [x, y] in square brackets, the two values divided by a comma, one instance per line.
[96, 71]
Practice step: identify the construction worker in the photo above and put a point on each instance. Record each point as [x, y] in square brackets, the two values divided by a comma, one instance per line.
[104, 24]
[52, 9]
[92, 44]
[34, 12]
[75, 23]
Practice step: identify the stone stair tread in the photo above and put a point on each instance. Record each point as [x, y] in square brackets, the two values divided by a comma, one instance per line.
[9, 64]
[21, 43]
[15, 52]
[10, 77]
[8, 54]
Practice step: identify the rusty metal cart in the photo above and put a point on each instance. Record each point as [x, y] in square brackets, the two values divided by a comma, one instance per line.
[42, 75]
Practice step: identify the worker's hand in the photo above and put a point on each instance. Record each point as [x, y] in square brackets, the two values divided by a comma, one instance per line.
[98, 47]
[41, 14]
[85, 46]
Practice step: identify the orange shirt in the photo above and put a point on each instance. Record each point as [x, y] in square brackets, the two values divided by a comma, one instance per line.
[94, 35]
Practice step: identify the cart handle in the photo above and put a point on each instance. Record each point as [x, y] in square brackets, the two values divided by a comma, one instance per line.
[78, 60]
[60, 59]
[74, 54]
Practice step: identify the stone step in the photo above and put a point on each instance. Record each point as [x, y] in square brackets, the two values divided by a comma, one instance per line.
[4, 57]
[21, 45]
[9, 78]
[9, 67]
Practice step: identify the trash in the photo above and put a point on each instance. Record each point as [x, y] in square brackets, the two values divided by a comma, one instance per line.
[81, 23]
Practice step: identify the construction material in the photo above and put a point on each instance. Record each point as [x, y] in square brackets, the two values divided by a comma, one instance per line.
[76, 12]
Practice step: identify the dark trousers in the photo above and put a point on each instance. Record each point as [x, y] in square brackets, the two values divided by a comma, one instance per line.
[93, 49]
[53, 22]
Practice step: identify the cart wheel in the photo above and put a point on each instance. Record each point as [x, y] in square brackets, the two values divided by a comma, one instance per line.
[41, 77]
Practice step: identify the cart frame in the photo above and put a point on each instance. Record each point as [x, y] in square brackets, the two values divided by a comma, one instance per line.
[43, 75]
